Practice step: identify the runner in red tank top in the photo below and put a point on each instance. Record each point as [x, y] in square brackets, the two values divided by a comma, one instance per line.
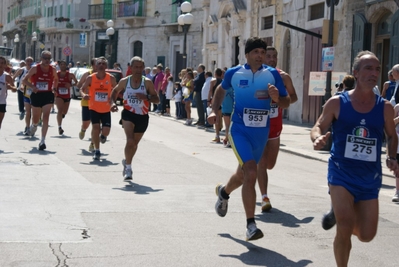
[42, 78]
[270, 152]
[63, 93]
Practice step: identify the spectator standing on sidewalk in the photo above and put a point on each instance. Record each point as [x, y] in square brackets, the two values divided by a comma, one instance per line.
[215, 82]
[204, 95]
[389, 87]
[395, 197]
[358, 119]
[188, 96]
[6, 83]
[19, 75]
[199, 81]
[169, 95]
[157, 84]
[227, 109]
[178, 97]
[162, 95]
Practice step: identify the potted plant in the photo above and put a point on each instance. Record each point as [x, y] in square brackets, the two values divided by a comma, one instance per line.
[82, 20]
[65, 19]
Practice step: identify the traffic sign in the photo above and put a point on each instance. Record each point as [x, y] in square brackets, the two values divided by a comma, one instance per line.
[67, 51]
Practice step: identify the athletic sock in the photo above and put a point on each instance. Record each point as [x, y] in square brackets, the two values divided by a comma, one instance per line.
[224, 194]
[263, 196]
[250, 220]
[128, 166]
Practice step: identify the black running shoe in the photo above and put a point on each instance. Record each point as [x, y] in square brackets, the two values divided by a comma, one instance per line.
[42, 146]
[328, 220]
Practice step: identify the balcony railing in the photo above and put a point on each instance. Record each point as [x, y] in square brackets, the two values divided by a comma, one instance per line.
[134, 8]
[72, 25]
[9, 26]
[102, 11]
[47, 23]
[31, 12]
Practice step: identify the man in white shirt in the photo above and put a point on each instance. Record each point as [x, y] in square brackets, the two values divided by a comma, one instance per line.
[204, 95]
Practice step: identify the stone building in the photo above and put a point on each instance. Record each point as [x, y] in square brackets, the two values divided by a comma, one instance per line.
[58, 24]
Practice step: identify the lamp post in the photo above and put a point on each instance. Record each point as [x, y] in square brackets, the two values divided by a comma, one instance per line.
[185, 20]
[110, 31]
[16, 41]
[34, 39]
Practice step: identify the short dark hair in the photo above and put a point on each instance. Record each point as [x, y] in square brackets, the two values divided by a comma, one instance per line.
[218, 72]
[208, 73]
[349, 82]
[253, 43]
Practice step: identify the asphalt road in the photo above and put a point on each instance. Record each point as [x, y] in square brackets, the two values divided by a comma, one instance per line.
[61, 208]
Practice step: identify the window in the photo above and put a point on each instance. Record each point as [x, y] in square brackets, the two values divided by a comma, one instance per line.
[59, 53]
[316, 11]
[61, 9]
[267, 23]
[138, 49]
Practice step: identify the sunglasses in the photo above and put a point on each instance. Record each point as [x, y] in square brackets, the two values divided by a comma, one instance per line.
[46, 58]
[101, 63]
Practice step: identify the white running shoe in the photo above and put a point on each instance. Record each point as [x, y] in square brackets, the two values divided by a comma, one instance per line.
[253, 232]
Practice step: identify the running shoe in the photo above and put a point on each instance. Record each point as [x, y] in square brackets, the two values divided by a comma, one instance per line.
[103, 139]
[32, 130]
[97, 155]
[128, 175]
[253, 232]
[21, 115]
[26, 131]
[60, 130]
[216, 139]
[42, 146]
[221, 204]
[328, 220]
[82, 134]
[91, 147]
[395, 197]
[266, 206]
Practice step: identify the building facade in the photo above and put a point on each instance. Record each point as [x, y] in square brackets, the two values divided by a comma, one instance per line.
[60, 26]
[216, 37]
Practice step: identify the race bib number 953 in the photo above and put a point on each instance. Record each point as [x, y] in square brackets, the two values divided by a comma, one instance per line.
[361, 148]
[255, 117]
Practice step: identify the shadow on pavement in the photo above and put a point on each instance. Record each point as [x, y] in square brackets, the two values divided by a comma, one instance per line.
[280, 217]
[61, 136]
[3, 152]
[86, 152]
[388, 186]
[138, 189]
[261, 256]
[35, 150]
[100, 163]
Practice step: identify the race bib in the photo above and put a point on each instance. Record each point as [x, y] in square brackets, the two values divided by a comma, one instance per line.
[361, 148]
[133, 101]
[255, 117]
[42, 86]
[28, 92]
[273, 110]
[63, 91]
[101, 97]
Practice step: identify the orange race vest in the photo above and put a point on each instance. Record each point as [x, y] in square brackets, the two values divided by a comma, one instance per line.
[100, 93]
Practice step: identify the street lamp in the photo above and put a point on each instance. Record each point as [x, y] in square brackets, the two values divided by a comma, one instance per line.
[34, 39]
[16, 40]
[110, 31]
[185, 20]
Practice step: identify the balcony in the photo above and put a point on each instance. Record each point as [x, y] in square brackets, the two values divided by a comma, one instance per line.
[131, 11]
[48, 24]
[99, 14]
[74, 25]
[21, 22]
[31, 13]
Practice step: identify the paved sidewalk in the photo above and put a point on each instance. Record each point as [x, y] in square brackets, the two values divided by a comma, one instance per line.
[294, 139]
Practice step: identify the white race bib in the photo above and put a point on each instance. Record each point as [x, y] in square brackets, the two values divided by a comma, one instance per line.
[101, 97]
[255, 117]
[361, 148]
[133, 101]
[42, 86]
[28, 92]
[63, 91]
[273, 110]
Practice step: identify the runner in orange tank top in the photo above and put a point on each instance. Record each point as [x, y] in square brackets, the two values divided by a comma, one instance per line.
[97, 88]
